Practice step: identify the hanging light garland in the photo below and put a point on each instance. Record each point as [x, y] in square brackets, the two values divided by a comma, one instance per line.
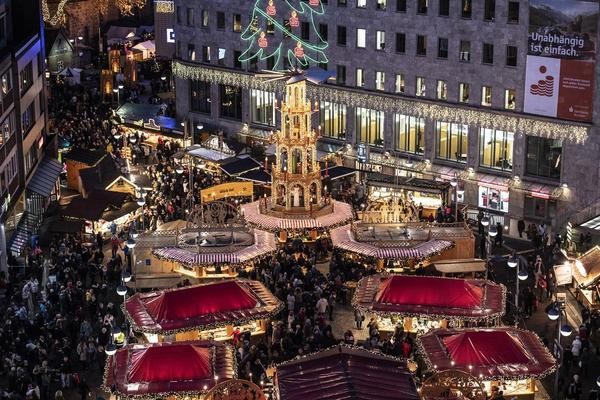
[394, 104]
[126, 7]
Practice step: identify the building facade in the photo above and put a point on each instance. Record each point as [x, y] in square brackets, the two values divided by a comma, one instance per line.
[23, 138]
[433, 88]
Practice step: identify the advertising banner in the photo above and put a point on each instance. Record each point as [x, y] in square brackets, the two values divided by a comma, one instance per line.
[559, 77]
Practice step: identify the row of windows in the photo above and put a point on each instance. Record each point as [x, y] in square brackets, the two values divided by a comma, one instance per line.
[7, 128]
[9, 173]
[423, 7]
[451, 139]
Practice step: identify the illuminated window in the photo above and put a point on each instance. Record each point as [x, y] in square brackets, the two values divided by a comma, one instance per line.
[496, 149]
[380, 44]
[408, 133]
[262, 107]
[369, 126]
[332, 118]
[451, 141]
[442, 90]
[420, 90]
[509, 99]
[486, 96]
[360, 77]
[361, 38]
[463, 92]
[379, 80]
[399, 85]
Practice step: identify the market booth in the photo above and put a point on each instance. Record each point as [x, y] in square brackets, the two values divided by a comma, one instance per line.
[344, 372]
[421, 303]
[509, 358]
[586, 277]
[399, 246]
[210, 311]
[169, 370]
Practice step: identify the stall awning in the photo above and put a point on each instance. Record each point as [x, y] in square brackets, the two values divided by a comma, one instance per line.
[88, 209]
[206, 154]
[165, 369]
[341, 373]
[490, 353]
[45, 177]
[125, 209]
[460, 266]
[433, 297]
[337, 172]
[256, 175]
[410, 183]
[239, 165]
[148, 116]
[587, 267]
[201, 307]
[324, 149]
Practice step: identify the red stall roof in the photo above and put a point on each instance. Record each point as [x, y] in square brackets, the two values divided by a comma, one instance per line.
[435, 297]
[345, 373]
[163, 369]
[491, 353]
[201, 307]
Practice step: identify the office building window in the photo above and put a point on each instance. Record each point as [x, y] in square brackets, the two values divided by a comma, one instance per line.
[324, 32]
[237, 23]
[231, 102]
[200, 96]
[26, 77]
[422, 6]
[442, 90]
[543, 157]
[361, 3]
[400, 42]
[221, 56]
[489, 10]
[496, 149]
[236, 59]
[340, 75]
[511, 56]
[487, 53]
[332, 119]
[361, 38]
[220, 21]
[271, 28]
[28, 119]
[486, 96]
[369, 126]
[380, 40]
[206, 53]
[305, 30]
[466, 9]
[360, 77]
[443, 47]
[190, 17]
[401, 6]
[6, 85]
[451, 141]
[379, 80]
[341, 35]
[2, 27]
[399, 84]
[262, 107]
[270, 62]
[381, 4]
[444, 8]
[204, 19]
[342, 3]
[465, 51]
[179, 15]
[409, 133]
[420, 88]
[463, 92]
[509, 99]
[421, 45]
[493, 199]
[191, 52]
[513, 12]
[8, 128]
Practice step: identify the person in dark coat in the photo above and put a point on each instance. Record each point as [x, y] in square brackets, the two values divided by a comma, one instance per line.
[521, 227]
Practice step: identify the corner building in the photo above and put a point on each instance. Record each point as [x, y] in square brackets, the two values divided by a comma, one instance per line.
[433, 88]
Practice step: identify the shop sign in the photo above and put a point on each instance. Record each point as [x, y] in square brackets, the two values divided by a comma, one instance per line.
[230, 189]
[560, 65]
[563, 274]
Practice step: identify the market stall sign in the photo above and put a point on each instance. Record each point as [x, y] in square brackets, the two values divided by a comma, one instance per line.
[563, 274]
[230, 189]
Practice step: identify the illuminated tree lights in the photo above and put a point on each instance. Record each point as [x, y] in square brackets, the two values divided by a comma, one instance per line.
[126, 7]
[275, 33]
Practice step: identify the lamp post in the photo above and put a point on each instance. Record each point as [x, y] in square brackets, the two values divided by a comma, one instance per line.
[131, 246]
[556, 314]
[141, 201]
[115, 90]
[454, 184]
[521, 275]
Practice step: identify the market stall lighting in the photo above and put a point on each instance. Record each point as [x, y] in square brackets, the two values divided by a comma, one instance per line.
[131, 243]
[115, 90]
[522, 275]
[126, 276]
[121, 290]
[553, 314]
[485, 221]
[120, 87]
[110, 349]
[566, 330]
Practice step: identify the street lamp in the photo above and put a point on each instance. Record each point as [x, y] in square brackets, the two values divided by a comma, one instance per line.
[454, 184]
[130, 243]
[121, 290]
[485, 221]
[115, 90]
[521, 275]
[562, 329]
[126, 277]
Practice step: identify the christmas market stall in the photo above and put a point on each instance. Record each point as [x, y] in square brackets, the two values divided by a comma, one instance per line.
[214, 311]
[169, 370]
[399, 246]
[510, 359]
[344, 372]
[421, 303]
[586, 278]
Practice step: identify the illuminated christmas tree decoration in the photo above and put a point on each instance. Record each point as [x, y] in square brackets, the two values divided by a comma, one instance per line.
[285, 48]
